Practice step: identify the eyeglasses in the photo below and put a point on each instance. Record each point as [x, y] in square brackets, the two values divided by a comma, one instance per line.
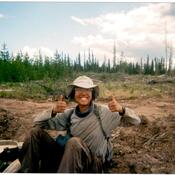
[77, 89]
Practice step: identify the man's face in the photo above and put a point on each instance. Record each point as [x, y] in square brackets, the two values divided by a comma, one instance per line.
[83, 96]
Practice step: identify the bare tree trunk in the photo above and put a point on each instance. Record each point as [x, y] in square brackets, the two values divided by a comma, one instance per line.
[170, 59]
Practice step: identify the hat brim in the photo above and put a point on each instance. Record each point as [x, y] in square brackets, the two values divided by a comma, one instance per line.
[71, 88]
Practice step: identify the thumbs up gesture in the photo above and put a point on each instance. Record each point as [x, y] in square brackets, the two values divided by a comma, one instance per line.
[114, 106]
[60, 106]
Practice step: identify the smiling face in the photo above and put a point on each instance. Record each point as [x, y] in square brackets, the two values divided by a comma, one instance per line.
[83, 97]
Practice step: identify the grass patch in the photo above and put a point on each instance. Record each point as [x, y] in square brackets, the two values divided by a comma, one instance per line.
[38, 90]
[120, 85]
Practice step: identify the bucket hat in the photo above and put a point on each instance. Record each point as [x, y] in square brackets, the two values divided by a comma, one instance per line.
[82, 82]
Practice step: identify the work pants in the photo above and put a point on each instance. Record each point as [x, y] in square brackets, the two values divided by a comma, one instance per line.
[41, 154]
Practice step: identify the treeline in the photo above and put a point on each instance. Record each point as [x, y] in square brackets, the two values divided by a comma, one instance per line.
[23, 68]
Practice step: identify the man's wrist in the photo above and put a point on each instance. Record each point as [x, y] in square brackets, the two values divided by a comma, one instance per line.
[123, 111]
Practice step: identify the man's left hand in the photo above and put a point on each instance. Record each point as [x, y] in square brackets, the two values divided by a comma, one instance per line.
[114, 106]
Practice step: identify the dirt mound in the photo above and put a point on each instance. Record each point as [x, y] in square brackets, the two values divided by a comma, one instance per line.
[8, 124]
[148, 148]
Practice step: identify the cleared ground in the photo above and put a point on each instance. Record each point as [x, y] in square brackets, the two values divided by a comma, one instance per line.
[147, 148]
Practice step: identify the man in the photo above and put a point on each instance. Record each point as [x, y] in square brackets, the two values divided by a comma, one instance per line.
[90, 127]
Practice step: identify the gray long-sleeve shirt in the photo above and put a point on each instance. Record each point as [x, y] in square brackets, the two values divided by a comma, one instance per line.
[88, 128]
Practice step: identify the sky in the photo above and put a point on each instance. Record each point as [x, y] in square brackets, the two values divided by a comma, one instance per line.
[137, 29]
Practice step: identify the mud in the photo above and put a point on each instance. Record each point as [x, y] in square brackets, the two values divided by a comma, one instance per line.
[147, 148]
[9, 124]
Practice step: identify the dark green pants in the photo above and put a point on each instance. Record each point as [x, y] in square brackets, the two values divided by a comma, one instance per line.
[41, 154]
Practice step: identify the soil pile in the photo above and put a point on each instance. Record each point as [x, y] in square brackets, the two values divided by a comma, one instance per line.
[8, 124]
[147, 148]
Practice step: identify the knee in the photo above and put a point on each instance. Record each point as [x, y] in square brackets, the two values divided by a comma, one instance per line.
[35, 130]
[74, 142]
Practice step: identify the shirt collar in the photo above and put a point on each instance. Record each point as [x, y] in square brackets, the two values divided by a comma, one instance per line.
[83, 114]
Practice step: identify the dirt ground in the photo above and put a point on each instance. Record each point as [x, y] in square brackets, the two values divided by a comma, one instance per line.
[147, 148]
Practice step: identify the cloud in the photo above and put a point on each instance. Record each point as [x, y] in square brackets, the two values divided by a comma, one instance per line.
[78, 20]
[2, 16]
[100, 46]
[150, 18]
[84, 22]
[32, 52]
[91, 41]
[137, 32]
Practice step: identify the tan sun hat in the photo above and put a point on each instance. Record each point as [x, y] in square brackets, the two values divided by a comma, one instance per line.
[83, 82]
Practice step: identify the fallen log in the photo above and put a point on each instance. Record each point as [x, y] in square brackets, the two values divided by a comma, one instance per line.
[170, 80]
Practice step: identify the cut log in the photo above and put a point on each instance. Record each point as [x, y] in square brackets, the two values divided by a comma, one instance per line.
[13, 167]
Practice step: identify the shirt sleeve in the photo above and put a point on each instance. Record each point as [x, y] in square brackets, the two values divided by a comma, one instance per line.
[113, 119]
[130, 117]
[46, 121]
[110, 120]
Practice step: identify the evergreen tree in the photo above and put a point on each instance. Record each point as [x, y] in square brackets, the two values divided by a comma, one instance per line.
[114, 56]
[4, 53]
[109, 66]
[152, 68]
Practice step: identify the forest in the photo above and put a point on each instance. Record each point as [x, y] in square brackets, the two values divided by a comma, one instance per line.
[22, 68]
[30, 85]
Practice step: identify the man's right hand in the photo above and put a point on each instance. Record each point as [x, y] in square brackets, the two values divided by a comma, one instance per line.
[60, 106]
